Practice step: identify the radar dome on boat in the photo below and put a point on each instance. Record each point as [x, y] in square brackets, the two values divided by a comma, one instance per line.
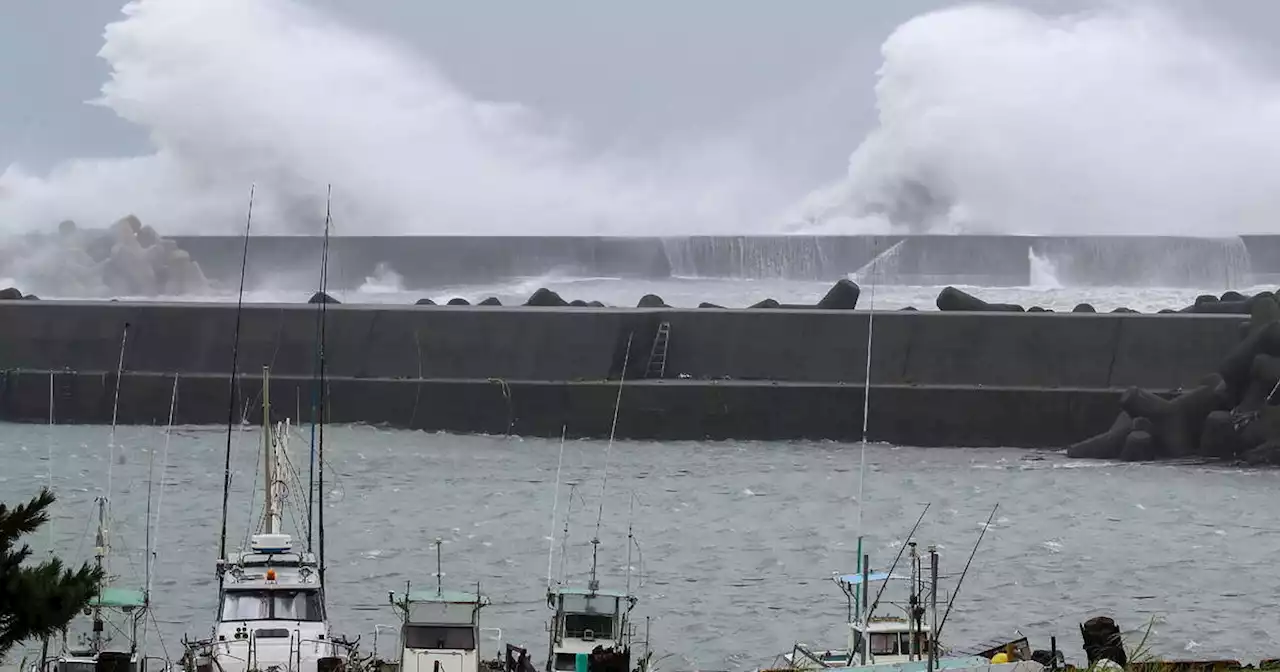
[271, 543]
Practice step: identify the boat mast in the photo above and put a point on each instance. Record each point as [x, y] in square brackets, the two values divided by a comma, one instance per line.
[865, 561]
[270, 460]
[440, 570]
[324, 303]
[100, 561]
[594, 584]
[866, 408]
[555, 505]
[231, 389]
[933, 599]
[912, 602]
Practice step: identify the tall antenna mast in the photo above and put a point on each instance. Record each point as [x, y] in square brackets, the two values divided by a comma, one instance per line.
[115, 410]
[866, 407]
[100, 561]
[440, 570]
[270, 460]
[594, 584]
[630, 537]
[231, 385]
[555, 505]
[49, 464]
[324, 307]
[164, 469]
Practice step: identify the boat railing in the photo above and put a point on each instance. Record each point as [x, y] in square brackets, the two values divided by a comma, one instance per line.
[377, 629]
[165, 664]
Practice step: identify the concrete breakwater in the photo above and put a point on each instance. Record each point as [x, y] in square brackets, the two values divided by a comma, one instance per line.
[990, 260]
[938, 378]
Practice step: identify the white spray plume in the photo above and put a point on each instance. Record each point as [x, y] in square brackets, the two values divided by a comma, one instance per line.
[235, 92]
[1122, 120]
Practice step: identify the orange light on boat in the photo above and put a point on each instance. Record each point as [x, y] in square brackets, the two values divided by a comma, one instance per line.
[271, 575]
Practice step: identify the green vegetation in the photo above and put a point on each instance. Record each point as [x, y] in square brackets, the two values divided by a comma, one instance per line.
[36, 600]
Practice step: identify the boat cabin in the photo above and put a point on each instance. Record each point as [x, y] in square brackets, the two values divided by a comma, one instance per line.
[270, 612]
[440, 631]
[586, 620]
[889, 640]
[132, 604]
[269, 583]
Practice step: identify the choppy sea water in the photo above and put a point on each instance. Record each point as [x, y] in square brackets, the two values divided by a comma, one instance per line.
[737, 540]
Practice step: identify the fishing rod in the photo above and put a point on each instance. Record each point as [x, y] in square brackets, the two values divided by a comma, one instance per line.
[231, 385]
[555, 506]
[604, 479]
[910, 535]
[164, 469]
[115, 410]
[866, 408]
[951, 602]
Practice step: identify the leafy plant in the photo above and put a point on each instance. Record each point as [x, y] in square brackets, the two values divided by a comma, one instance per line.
[38, 600]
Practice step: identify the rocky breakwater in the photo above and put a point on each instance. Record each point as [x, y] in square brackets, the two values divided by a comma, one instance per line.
[1233, 414]
[126, 258]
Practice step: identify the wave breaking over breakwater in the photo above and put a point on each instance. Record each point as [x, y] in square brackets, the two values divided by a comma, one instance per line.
[994, 261]
[1124, 120]
[274, 92]
[991, 119]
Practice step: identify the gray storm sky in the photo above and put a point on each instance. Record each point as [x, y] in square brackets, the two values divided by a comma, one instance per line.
[620, 72]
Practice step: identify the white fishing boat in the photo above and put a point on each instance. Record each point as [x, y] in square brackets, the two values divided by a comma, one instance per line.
[272, 614]
[907, 638]
[887, 639]
[590, 630]
[439, 629]
[116, 614]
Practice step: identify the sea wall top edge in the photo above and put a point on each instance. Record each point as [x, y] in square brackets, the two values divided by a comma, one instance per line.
[390, 307]
[735, 236]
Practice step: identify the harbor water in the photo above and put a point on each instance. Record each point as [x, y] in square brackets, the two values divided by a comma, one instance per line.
[735, 543]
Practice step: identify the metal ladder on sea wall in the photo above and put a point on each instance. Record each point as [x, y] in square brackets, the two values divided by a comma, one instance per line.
[658, 354]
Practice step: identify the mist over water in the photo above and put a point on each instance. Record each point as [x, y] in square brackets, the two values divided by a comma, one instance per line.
[1127, 119]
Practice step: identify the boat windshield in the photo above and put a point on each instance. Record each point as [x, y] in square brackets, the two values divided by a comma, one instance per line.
[264, 605]
[439, 637]
[588, 626]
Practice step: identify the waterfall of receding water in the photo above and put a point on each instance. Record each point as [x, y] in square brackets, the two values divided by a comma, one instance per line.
[1239, 267]
[753, 257]
[1044, 273]
[679, 253]
[1147, 261]
[884, 266]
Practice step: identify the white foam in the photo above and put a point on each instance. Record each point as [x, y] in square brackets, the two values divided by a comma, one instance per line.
[234, 92]
[1122, 120]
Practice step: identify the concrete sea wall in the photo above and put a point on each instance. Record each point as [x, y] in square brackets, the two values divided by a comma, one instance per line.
[938, 378]
[993, 260]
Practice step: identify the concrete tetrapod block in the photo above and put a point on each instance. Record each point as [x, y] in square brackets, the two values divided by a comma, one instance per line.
[1235, 368]
[952, 299]
[1139, 446]
[842, 296]
[1219, 438]
[545, 298]
[1107, 445]
[1176, 424]
[1267, 454]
